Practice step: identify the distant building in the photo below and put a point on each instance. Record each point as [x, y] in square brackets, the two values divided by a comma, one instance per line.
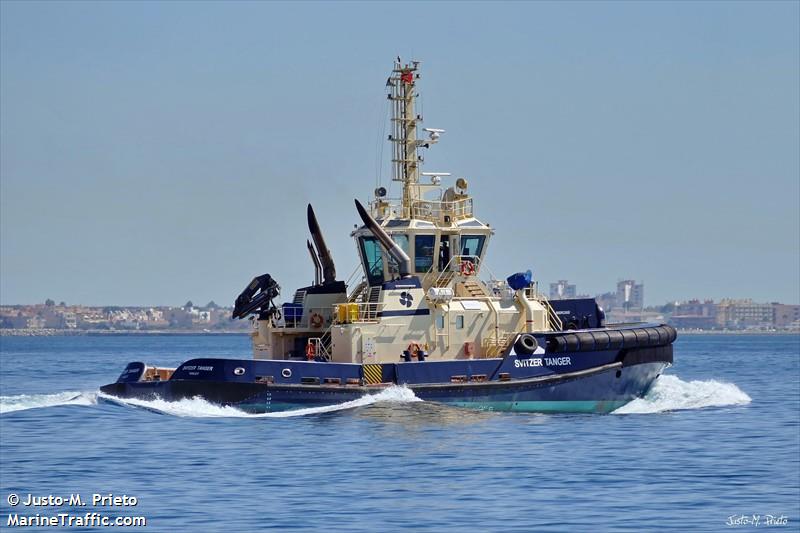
[561, 290]
[177, 317]
[607, 300]
[786, 316]
[630, 295]
[620, 316]
[695, 314]
[70, 320]
[737, 314]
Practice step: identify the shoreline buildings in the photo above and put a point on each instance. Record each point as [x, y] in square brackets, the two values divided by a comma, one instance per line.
[625, 304]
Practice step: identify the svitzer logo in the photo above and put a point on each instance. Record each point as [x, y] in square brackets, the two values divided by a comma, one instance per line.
[406, 299]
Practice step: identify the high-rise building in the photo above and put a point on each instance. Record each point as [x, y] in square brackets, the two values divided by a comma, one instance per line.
[630, 295]
[562, 289]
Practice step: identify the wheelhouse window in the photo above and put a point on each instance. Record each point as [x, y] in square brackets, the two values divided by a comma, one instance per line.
[423, 252]
[402, 241]
[373, 260]
[472, 244]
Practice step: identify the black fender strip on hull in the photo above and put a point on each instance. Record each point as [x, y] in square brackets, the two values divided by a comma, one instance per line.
[611, 339]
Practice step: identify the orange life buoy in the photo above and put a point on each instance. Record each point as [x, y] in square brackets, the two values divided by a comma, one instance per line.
[310, 351]
[467, 268]
[413, 349]
[316, 320]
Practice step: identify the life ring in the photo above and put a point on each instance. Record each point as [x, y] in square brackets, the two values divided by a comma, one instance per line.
[310, 352]
[467, 268]
[316, 320]
[413, 349]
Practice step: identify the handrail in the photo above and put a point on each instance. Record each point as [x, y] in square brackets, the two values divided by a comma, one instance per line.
[320, 351]
[493, 346]
[352, 276]
[304, 322]
[554, 320]
[433, 210]
[436, 210]
[366, 312]
[532, 293]
[450, 271]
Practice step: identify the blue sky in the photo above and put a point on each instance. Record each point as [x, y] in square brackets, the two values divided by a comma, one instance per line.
[152, 152]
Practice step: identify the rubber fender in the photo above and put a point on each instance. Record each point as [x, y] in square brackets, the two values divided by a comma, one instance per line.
[526, 344]
[642, 338]
[556, 344]
[671, 332]
[628, 338]
[587, 341]
[601, 340]
[646, 337]
[573, 344]
[614, 339]
[655, 336]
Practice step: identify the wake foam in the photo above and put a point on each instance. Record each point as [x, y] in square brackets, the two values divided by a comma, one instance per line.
[22, 402]
[670, 393]
[200, 408]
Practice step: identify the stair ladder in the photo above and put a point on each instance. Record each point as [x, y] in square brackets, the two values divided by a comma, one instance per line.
[373, 299]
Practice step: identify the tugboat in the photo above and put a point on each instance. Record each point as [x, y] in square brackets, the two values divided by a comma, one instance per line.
[422, 311]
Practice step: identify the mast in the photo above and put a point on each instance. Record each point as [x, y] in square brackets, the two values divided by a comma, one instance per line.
[404, 131]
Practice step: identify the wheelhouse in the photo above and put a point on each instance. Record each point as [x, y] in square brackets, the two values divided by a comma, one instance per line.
[432, 248]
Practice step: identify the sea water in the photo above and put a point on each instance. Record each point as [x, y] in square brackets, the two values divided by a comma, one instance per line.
[714, 445]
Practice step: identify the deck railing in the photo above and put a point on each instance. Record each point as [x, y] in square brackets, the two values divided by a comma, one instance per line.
[436, 211]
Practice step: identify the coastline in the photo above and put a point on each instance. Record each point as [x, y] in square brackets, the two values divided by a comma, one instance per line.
[50, 332]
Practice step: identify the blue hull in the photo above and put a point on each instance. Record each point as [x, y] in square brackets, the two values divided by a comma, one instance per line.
[597, 388]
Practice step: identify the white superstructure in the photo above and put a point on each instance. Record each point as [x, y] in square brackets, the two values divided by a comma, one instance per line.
[422, 258]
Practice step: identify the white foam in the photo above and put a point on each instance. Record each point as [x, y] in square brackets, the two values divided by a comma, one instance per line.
[21, 402]
[670, 393]
[200, 408]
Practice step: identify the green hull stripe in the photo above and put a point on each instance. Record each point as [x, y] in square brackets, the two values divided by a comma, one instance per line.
[577, 406]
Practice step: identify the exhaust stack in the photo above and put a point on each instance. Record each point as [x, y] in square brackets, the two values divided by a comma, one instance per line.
[315, 260]
[391, 247]
[328, 268]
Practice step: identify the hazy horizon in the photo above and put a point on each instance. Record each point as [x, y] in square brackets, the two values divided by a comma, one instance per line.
[153, 153]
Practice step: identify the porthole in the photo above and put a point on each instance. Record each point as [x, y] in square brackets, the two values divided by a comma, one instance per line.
[239, 371]
[286, 372]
